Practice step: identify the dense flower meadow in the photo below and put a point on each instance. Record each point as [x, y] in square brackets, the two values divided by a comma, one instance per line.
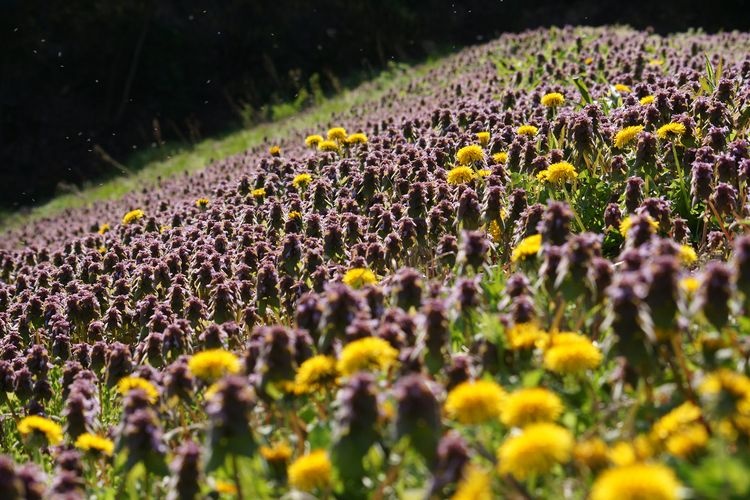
[525, 274]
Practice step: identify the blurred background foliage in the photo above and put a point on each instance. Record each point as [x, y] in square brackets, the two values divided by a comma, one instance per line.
[90, 86]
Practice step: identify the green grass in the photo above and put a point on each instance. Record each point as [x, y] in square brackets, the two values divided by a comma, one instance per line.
[197, 157]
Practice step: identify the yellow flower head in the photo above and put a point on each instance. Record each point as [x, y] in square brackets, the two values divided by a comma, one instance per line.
[636, 482]
[725, 382]
[337, 134]
[670, 130]
[591, 453]
[225, 487]
[626, 135]
[127, 384]
[536, 450]
[688, 255]
[483, 138]
[366, 354]
[315, 373]
[310, 472]
[133, 216]
[468, 155]
[571, 353]
[460, 175]
[95, 444]
[274, 150]
[689, 284]
[475, 402]
[213, 364]
[528, 247]
[301, 181]
[529, 130]
[329, 146]
[689, 442]
[529, 406]
[558, 173]
[201, 202]
[500, 157]
[656, 62]
[357, 138]
[258, 193]
[359, 277]
[476, 484]
[646, 100]
[676, 420]
[524, 335]
[312, 141]
[280, 452]
[37, 425]
[627, 222]
[553, 100]
[103, 228]
[622, 88]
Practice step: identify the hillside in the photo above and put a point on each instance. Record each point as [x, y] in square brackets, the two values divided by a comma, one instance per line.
[519, 272]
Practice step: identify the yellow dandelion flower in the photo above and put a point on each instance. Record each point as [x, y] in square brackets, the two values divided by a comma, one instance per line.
[367, 354]
[672, 422]
[622, 453]
[469, 155]
[212, 364]
[690, 284]
[636, 482]
[294, 215]
[225, 487]
[689, 442]
[553, 100]
[329, 146]
[310, 472]
[524, 335]
[571, 353]
[483, 172]
[301, 181]
[688, 255]
[337, 134]
[201, 202]
[494, 231]
[725, 383]
[133, 216]
[102, 249]
[646, 100]
[670, 130]
[312, 141]
[591, 453]
[529, 406]
[588, 60]
[529, 130]
[483, 138]
[258, 193]
[359, 277]
[536, 450]
[622, 88]
[475, 402]
[274, 150]
[41, 426]
[476, 484]
[279, 452]
[103, 228]
[656, 62]
[528, 247]
[627, 223]
[626, 135]
[357, 138]
[460, 175]
[314, 374]
[127, 384]
[95, 444]
[500, 157]
[558, 173]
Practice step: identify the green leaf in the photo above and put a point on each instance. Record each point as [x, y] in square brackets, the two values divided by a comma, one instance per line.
[583, 89]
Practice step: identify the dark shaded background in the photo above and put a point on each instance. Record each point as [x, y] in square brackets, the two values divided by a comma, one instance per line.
[85, 80]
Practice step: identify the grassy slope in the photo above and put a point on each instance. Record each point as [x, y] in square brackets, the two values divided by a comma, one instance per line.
[199, 156]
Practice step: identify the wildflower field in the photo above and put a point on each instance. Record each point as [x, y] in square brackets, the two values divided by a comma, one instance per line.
[523, 273]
